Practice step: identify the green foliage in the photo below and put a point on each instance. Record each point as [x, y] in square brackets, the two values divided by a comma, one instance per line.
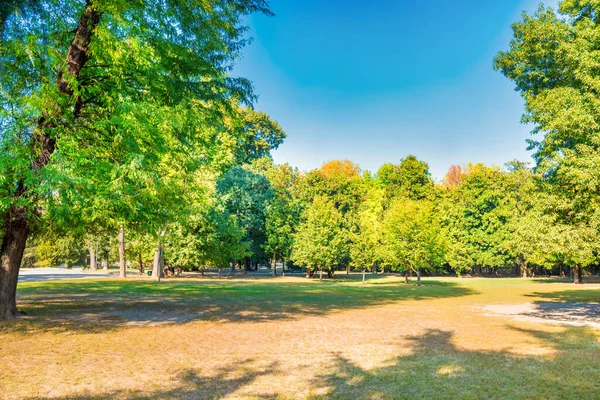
[319, 242]
[413, 236]
[411, 178]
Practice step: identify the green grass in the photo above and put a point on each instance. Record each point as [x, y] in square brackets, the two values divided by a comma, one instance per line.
[293, 338]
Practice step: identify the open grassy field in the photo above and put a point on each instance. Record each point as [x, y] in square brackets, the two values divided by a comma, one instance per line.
[293, 338]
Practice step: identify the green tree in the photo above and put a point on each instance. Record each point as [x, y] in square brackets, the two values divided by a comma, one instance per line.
[367, 240]
[319, 242]
[413, 236]
[476, 218]
[553, 62]
[121, 90]
[410, 178]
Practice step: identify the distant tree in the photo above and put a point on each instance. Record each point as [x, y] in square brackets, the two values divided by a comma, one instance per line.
[343, 168]
[411, 179]
[282, 214]
[454, 176]
[366, 244]
[476, 216]
[319, 242]
[246, 194]
[413, 236]
[257, 135]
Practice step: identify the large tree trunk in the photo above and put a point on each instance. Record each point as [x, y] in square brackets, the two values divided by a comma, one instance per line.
[11, 255]
[122, 266]
[93, 260]
[577, 278]
[16, 226]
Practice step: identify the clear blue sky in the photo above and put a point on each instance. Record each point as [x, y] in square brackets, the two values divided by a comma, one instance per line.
[375, 80]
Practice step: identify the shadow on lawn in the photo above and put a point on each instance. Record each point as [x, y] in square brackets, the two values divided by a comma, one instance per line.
[435, 369]
[438, 369]
[576, 295]
[191, 385]
[98, 306]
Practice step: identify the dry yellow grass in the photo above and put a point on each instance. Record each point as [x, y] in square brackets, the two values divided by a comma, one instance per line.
[292, 338]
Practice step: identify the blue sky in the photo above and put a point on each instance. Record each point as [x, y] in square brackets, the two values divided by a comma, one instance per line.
[376, 80]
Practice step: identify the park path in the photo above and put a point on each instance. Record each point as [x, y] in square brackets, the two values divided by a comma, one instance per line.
[50, 274]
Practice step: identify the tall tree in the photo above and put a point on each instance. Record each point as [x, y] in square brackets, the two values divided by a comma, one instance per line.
[553, 62]
[319, 242]
[107, 93]
[413, 236]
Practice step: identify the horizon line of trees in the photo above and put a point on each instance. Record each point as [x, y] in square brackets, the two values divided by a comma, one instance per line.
[480, 220]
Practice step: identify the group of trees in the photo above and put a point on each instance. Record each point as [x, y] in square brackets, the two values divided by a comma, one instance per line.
[123, 133]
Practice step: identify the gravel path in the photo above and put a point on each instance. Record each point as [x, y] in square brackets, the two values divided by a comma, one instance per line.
[50, 274]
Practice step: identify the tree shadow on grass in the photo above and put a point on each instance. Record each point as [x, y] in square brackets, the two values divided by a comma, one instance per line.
[101, 305]
[191, 385]
[575, 295]
[438, 369]
[587, 279]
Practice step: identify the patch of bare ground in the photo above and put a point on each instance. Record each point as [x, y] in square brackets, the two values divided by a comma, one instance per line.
[574, 314]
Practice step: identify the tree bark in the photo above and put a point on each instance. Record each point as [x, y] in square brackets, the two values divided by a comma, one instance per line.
[158, 264]
[282, 266]
[93, 260]
[11, 255]
[16, 227]
[419, 277]
[105, 262]
[140, 264]
[363, 277]
[274, 271]
[321, 274]
[233, 267]
[577, 278]
[122, 266]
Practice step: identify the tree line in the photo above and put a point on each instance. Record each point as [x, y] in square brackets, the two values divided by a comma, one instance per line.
[479, 220]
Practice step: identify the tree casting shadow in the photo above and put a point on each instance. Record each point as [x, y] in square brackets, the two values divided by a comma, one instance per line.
[101, 305]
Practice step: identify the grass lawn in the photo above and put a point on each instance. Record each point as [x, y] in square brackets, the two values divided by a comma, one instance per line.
[293, 338]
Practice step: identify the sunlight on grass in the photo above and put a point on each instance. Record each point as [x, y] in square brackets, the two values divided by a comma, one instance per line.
[296, 338]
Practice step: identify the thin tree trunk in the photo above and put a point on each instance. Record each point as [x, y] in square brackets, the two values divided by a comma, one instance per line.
[282, 266]
[577, 278]
[122, 266]
[363, 278]
[11, 255]
[233, 267]
[105, 262]
[406, 277]
[348, 269]
[419, 277]
[274, 272]
[93, 262]
[158, 264]
[140, 264]
[321, 274]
